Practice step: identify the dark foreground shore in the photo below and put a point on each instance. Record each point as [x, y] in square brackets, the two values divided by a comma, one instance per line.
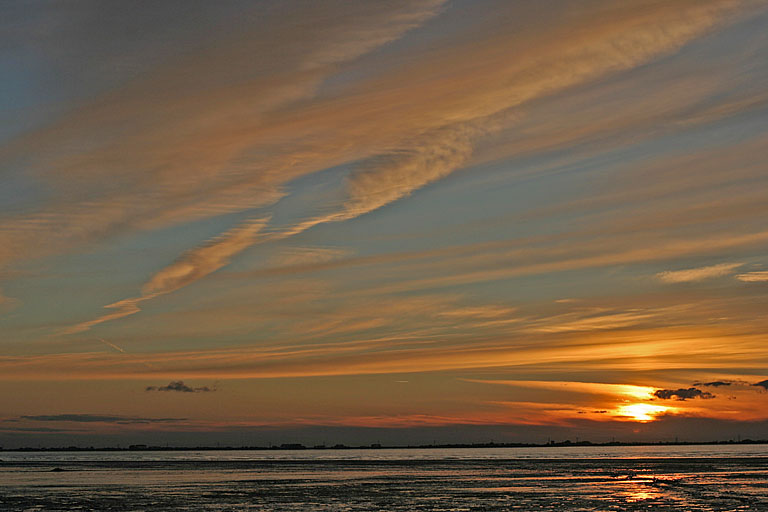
[438, 484]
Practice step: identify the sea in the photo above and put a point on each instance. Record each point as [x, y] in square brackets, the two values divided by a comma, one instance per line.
[649, 478]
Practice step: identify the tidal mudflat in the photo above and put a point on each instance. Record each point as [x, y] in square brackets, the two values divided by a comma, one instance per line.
[620, 478]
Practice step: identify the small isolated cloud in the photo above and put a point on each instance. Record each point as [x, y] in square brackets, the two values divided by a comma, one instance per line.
[760, 276]
[98, 418]
[682, 394]
[763, 384]
[299, 256]
[180, 387]
[697, 274]
[713, 384]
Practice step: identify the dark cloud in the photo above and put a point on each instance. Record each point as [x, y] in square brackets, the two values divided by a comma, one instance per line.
[179, 386]
[763, 384]
[96, 418]
[713, 384]
[42, 430]
[682, 394]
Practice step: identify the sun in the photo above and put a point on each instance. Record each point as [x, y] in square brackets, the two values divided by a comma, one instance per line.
[641, 412]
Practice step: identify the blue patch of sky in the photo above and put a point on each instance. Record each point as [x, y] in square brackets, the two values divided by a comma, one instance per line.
[20, 94]
[18, 193]
[433, 33]
[312, 195]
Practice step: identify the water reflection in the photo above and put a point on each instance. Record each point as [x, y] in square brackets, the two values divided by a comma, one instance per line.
[639, 491]
[204, 482]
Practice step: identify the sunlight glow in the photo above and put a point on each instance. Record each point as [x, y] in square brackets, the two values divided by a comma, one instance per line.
[641, 412]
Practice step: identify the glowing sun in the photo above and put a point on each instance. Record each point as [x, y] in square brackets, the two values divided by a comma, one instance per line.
[641, 412]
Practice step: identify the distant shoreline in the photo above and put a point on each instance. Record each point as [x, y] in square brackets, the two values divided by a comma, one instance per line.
[376, 446]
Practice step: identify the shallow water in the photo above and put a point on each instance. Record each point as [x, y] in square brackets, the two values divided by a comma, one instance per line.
[697, 478]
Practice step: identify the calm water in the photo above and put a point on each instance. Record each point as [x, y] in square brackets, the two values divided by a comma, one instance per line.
[583, 478]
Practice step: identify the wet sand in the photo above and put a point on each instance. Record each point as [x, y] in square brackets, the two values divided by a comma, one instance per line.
[717, 484]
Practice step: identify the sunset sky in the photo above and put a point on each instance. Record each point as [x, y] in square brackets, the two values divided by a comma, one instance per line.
[383, 221]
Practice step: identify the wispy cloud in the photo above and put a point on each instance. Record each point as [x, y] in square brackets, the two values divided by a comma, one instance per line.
[591, 320]
[111, 345]
[400, 155]
[698, 274]
[190, 267]
[98, 418]
[606, 250]
[391, 177]
[39, 430]
[307, 256]
[592, 388]
[445, 138]
[201, 261]
[169, 149]
[758, 276]
[628, 349]
[714, 384]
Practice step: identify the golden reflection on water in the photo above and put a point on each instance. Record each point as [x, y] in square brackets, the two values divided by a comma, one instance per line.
[639, 491]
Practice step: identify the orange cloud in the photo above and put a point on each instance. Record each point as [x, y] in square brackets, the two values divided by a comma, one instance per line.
[757, 276]
[698, 274]
[191, 267]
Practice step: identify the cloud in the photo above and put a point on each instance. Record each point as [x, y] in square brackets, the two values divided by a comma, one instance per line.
[112, 345]
[713, 384]
[760, 276]
[682, 394]
[392, 177]
[167, 147]
[414, 135]
[96, 418]
[42, 430]
[592, 388]
[697, 274]
[452, 119]
[445, 138]
[201, 261]
[593, 319]
[180, 387]
[763, 384]
[656, 347]
[190, 267]
[581, 254]
[307, 256]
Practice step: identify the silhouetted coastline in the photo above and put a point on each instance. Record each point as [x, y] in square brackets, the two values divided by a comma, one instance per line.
[376, 446]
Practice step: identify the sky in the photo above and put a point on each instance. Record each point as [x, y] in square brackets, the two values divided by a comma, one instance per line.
[387, 221]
